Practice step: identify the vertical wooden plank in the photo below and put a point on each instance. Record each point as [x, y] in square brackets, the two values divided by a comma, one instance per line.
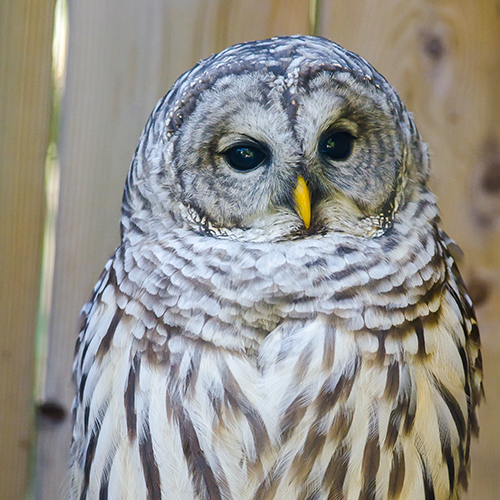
[123, 55]
[444, 59]
[25, 103]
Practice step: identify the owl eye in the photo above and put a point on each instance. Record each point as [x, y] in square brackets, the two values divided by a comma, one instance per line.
[245, 157]
[337, 146]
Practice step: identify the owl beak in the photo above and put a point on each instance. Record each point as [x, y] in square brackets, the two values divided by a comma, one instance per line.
[302, 200]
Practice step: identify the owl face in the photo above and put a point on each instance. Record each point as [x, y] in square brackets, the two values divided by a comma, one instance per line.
[286, 152]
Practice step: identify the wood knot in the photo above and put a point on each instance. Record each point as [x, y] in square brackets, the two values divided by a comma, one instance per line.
[478, 290]
[434, 46]
[490, 182]
[51, 411]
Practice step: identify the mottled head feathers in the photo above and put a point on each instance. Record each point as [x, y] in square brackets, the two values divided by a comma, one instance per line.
[284, 94]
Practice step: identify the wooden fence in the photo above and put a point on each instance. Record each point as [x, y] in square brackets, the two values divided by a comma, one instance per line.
[443, 56]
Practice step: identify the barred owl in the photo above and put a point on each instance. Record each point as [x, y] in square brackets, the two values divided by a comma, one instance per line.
[283, 318]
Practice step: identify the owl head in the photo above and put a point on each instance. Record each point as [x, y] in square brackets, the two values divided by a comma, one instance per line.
[290, 137]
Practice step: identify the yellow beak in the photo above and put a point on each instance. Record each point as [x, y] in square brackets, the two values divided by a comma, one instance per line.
[302, 201]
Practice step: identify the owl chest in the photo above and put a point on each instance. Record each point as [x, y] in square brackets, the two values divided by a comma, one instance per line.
[280, 418]
[286, 404]
[266, 386]
[310, 410]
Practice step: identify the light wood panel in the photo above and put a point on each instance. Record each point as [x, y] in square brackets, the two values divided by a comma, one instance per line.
[25, 64]
[443, 57]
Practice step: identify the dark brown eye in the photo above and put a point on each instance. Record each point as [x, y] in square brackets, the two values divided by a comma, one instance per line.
[337, 146]
[245, 157]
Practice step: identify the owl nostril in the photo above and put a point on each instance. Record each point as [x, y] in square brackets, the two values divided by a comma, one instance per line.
[316, 195]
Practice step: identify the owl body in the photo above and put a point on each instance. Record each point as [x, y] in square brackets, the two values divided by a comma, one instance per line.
[236, 347]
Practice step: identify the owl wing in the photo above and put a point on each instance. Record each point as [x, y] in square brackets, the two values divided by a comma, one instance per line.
[103, 419]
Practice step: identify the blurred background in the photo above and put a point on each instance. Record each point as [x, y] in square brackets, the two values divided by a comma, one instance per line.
[77, 83]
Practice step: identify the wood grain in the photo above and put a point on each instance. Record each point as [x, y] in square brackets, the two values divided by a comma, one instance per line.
[25, 73]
